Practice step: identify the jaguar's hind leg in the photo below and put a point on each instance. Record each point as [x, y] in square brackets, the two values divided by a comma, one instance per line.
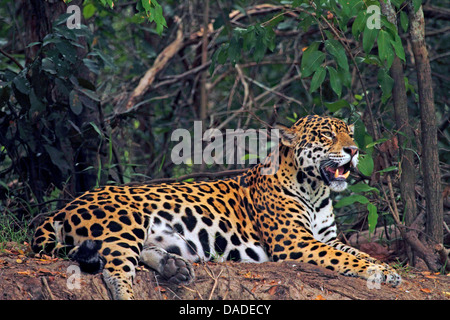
[172, 267]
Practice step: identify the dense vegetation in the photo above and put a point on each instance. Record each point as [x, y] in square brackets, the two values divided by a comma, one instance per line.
[82, 107]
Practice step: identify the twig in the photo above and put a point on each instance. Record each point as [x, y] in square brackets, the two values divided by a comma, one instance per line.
[178, 77]
[245, 84]
[158, 286]
[249, 291]
[273, 90]
[99, 290]
[215, 284]
[244, 103]
[10, 57]
[46, 286]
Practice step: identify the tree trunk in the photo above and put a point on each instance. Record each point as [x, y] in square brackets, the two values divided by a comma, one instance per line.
[430, 157]
[203, 89]
[406, 161]
[80, 150]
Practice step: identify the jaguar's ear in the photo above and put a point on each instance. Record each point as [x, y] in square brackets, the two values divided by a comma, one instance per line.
[288, 136]
[351, 128]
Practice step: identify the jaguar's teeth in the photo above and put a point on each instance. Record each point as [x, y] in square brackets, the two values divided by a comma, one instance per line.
[345, 175]
[336, 173]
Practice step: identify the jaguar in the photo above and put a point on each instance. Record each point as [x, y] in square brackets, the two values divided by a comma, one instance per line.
[251, 217]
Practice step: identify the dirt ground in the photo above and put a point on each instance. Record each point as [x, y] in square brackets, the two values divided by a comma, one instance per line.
[23, 277]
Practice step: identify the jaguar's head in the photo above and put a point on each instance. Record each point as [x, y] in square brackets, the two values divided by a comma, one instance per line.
[323, 149]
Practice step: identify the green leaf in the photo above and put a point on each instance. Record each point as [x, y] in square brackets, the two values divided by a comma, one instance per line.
[89, 10]
[311, 60]
[417, 4]
[383, 45]
[21, 83]
[317, 79]
[107, 60]
[351, 200]
[335, 81]
[370, 59]
[154, 13]
[372, 144]
[345, 76]
[360, 134]
[365, 165]
[305, 23]
[67, 50]
[57, 157]
[223, 53]
[75, 103]
[91, 94]
[372, 218]
[96, 128]
[36, 104]
[355, 6]
[390, 27]
[234, 49]
[362, 187]
[338, 105]
[145, 4]
[404, 21]
[397, 3]
[386, 83]
[385, 51]
[269, 39]
[249, 156]
[297, 3]
[91, 65]
[359, 23]
[388, 169]
[107, 2]
[398, 47]
[335, 48]
[274, 21]
[369, 37]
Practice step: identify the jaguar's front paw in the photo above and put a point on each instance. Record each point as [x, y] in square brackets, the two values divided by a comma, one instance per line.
[177, 269]
[383, 274]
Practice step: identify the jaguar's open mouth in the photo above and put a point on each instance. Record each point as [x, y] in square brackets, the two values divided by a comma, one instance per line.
[330, 171]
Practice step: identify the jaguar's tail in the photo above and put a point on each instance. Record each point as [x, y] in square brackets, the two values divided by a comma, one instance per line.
[88, 256]
[48, 239]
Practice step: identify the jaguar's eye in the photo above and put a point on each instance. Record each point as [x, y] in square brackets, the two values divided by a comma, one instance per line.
[328, 134]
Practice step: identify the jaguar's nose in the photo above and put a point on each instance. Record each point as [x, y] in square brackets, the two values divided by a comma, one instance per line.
[352, 150]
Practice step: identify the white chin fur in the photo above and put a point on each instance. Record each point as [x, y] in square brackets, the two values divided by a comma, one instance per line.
[338, 186]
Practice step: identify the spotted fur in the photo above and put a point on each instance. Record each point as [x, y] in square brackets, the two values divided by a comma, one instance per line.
[287, 215]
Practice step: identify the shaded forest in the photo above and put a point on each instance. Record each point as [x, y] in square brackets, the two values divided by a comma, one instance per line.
[91, 96]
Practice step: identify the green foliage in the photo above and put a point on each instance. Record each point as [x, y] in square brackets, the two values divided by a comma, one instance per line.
[251, 42]
[153, 12]
[315, 60]
[149, 10]
[310, 58]
[35, 126]
[13, 229]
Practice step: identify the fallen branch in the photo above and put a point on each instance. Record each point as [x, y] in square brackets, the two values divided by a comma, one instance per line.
[208, 175]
